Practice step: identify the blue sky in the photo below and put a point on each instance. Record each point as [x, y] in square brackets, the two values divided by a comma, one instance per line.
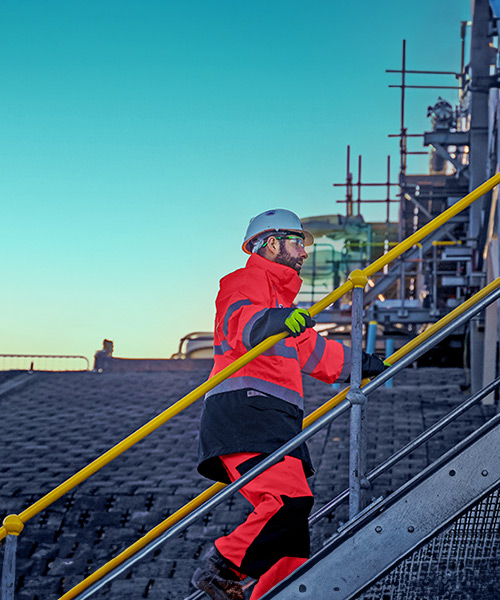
[138, 137]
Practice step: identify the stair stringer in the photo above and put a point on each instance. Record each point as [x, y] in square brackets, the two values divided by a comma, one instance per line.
[388, 531]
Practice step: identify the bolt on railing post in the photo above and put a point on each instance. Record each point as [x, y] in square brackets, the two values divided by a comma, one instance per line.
[13, 526]
[357, 441]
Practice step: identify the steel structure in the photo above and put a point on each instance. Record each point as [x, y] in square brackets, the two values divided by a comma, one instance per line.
[462, 145]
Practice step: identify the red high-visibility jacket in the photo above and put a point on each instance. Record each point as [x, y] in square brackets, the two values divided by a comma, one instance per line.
[260, 407]
[244, 297]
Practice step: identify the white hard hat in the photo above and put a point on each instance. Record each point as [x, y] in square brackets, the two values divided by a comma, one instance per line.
[278, 219]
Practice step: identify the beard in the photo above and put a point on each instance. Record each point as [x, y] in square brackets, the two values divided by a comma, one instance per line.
[285, 258]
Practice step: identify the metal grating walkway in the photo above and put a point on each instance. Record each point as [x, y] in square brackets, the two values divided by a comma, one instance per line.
[461, 563]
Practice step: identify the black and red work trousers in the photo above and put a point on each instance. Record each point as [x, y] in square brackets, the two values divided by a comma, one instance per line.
[274, 539]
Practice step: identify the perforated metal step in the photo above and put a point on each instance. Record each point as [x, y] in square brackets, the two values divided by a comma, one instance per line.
[461, 563]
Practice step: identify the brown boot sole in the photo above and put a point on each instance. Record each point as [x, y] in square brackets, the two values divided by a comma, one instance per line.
[216, 587]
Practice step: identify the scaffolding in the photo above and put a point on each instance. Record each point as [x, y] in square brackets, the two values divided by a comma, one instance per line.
[462, 145]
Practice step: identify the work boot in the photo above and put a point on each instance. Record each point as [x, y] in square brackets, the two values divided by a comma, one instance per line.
[216, 578]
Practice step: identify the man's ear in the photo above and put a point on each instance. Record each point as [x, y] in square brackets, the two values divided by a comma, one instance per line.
[273, 246]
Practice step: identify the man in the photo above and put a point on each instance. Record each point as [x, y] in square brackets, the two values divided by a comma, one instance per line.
[260, 407]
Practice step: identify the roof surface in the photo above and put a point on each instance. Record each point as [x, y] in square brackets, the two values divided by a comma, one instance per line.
[56, 423]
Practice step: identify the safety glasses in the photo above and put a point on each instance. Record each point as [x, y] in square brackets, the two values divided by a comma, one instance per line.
[294, 239]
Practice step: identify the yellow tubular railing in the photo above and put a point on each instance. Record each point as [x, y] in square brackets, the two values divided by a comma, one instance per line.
[420, 339]
[314, 416]
[201, 390]
[159, 420]
[441, 219]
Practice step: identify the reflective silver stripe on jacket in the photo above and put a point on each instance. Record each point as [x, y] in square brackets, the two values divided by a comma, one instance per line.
[273, 389]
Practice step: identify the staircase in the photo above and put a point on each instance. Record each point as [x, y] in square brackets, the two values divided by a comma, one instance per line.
[437, 536]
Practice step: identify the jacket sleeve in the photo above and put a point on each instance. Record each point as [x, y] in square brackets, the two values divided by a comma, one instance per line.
[326, 360]
[244, 316]
[235, 317]
[269, 323]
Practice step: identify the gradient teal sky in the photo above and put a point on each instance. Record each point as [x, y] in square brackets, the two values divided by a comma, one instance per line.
[138, 137]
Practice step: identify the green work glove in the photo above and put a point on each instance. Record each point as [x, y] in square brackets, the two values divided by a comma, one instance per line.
[298, 321]
[277, 320]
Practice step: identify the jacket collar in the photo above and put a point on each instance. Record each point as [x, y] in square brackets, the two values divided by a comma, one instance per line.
[285, 279]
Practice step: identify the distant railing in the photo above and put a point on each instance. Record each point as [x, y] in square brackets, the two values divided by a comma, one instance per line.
[43, 362]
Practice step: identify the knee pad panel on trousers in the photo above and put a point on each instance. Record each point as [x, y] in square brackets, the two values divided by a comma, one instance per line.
[285, 534]
[252, 462]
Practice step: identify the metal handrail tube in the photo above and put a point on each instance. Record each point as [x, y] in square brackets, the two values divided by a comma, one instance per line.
[410, 447]
[228, 491]
[124, 560]
[160, 419]
[445, 216]
[484, 292]
[435, 428]
[416, 237]
[201, 390]
[427, 344]
[425, 335]
[311, 418]
[397, 456]
[142, 432]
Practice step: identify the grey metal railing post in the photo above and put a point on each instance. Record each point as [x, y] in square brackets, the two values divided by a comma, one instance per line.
[9, 567]
[357, 440]
[402, 290]
[14, 526]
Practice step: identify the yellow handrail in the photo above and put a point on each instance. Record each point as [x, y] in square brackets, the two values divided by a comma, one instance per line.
[411, 345]
[201, 390]
[314, 416]
[433, 225]
[447, 243]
